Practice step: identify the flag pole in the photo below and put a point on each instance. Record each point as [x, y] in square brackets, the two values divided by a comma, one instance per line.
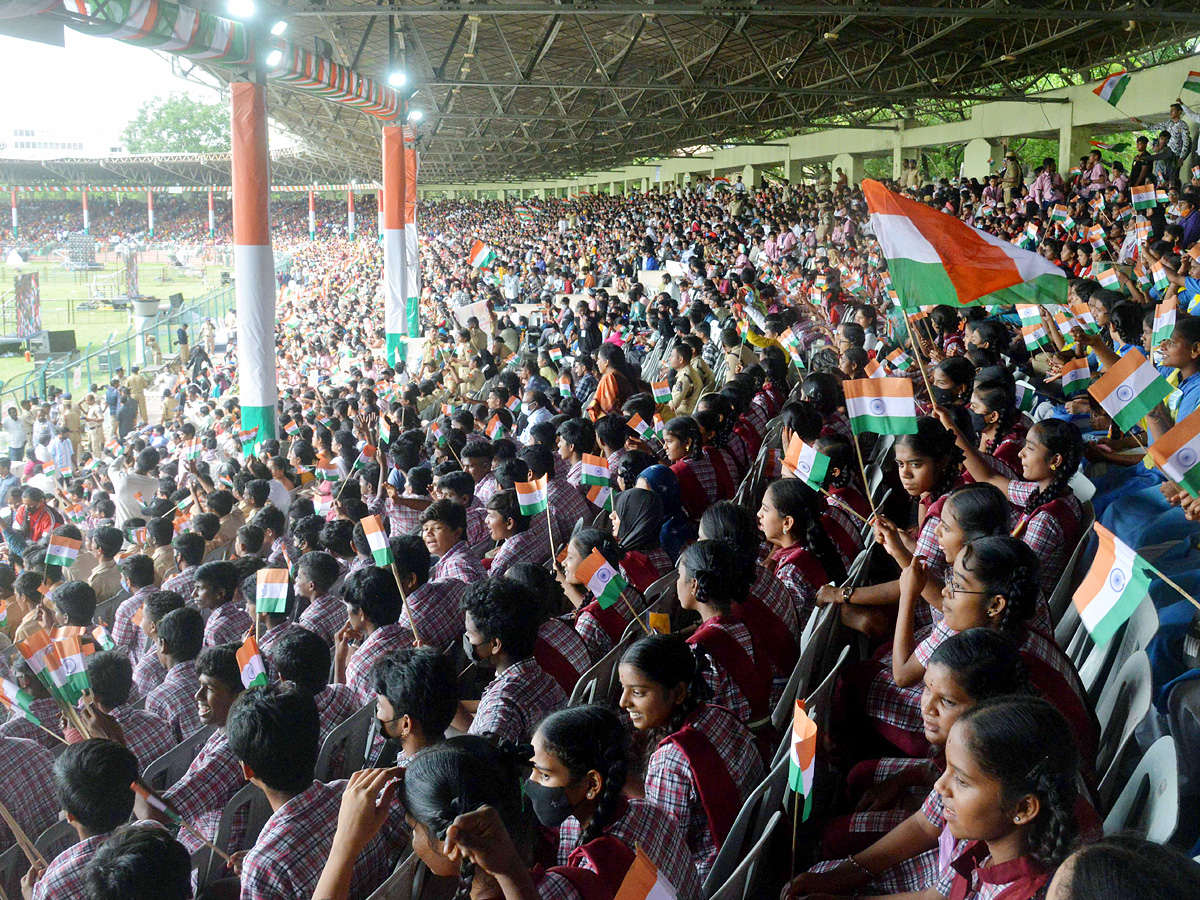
[633, 612]
[404, 598]
[795, 829]
[27, 846]
[549, 526]
[920, 364]
[844, 505]
[863, 469]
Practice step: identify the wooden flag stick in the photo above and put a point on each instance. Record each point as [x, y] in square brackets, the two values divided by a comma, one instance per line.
[633, 612]
[795, 828]
[920, 363]
[863, 469]
[549, 526]
[27, 846]
[1171, 583]
[404, 599]
[844, 505]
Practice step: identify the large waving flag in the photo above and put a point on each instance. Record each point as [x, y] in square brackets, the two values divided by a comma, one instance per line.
[643, 881]
[1177, 453]
[482, 255]
[881, 405]
[1129, 390]
[1113, 87]
[802, 756]
[1115, 584]
[936, 259]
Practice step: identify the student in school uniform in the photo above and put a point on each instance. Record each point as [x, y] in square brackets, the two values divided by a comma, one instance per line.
[600, 628]
[416, 698]
[91, 784]
[324, 613]
[146, 734]
[301, 658]
[180, 640]
[216, 590]
[707, 764]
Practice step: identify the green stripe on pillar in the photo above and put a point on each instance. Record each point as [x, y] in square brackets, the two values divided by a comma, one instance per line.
[412, 309]
[397, 349]
[262, 417]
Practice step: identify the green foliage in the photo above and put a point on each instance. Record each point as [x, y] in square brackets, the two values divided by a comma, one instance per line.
[178, 124]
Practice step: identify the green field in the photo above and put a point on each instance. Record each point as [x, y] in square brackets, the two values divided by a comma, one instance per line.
[63, 291]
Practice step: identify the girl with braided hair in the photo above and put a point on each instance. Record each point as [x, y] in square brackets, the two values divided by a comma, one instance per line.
[999, 425]
[886, 845]
[1009, 797]
[580, 765]
[704, 763]
[825, 392]
[698, 482]
[841, 480]
[729, 473]
[803, 556]
[721, 432]
[929, 468]
[1051, 517]
[740, 676]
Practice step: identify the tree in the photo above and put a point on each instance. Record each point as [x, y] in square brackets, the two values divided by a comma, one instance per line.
[178, 124]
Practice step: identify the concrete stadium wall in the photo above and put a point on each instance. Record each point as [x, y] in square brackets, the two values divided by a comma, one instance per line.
[1071, 115]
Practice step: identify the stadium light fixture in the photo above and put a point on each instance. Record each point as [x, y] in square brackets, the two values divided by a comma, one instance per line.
[274, 58]
[279, 28]
[242, 9]
[397, 79]
[415, 115]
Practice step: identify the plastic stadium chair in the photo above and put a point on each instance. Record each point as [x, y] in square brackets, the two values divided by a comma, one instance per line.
[1149, 802]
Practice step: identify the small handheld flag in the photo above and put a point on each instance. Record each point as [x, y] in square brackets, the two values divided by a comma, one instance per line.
[806, 462]
[802, 757]
[601, 578]
[272, 591]
[532, 496]
[1130, 390]
[1115, 584]
[377, 539]
[662, 391]
[495, 429]
[62, 551]
[1076, 376]
[1164, 320]
[1192, 82]
[600, 497]
[881, 405]
[1177, 453]
[250, 662]
[595, 470]
[643, 881]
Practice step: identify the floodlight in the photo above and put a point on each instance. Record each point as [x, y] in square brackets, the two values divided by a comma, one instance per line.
[274, 58]
[397, 79]
[415, 115]
[242, 9]
[279, 28]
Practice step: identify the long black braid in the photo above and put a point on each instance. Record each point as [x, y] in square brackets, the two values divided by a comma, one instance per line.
[585, 739]
[792, 497]
[1064, 439]
[999, 398]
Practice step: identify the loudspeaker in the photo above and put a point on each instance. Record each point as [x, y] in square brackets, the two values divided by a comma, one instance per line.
[60, 341]
[176, 301]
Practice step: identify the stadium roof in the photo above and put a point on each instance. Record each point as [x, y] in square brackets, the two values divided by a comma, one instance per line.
[529, 89]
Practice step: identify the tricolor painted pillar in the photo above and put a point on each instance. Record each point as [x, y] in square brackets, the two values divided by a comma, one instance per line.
[150, 210]
[14, 212]
[379, 212]
[87, 226]
[392, 232]
[212, 219]
[412, 261]
[350, 211]
[254, 286]
[312, 216]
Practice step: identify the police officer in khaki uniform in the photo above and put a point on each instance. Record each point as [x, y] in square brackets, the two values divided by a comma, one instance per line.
[136, 385]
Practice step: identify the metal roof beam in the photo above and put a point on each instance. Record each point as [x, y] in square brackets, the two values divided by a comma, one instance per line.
[735, 11]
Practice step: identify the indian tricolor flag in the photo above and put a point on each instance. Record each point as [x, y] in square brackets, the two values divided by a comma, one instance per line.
[62, 550]
[1076, 376]
[640, 426]
[1164, 320]
[1108, 277]
[1177, 453]
[601, 578]
[1116, 583]
[881, 405]
[377, 538]
[643, 881]
[662, 391]
[806, 462]
[18, 701]
[1083, 315]
[482, 255]
[1129, 390]
[74, 681]
[875, 370]
[495, 428]
[802, 756]
[937, 259]
[1142, 196]
[1159, 273]
[564, 385]
[1192, 82]
[600, 496]
[1112, 87]
[532, 496]
[250, 662]
[899, 360]
[272, 591]
[595, 470]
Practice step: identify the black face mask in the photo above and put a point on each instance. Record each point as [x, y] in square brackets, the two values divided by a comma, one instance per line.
[943, 396]
[550, 804]
[978, 422]
[472, 652]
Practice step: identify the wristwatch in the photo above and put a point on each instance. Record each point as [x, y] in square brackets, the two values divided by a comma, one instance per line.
[847, 592]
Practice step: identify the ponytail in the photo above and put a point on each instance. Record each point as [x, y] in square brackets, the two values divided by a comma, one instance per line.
[792, 497]
[713, 564]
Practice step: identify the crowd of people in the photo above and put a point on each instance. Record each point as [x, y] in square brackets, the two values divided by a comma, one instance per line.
[576, 464]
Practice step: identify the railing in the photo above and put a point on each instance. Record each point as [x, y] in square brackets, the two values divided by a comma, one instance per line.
[95, 365]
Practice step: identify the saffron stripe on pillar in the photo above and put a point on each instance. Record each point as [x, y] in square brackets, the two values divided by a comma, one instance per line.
[412, 261]
[379, 214]
[312, 216]
[392, 209]
[150, 210]
[14, 213]
[350, 211]
[212, 225]
[86, 224]
[253, 262]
